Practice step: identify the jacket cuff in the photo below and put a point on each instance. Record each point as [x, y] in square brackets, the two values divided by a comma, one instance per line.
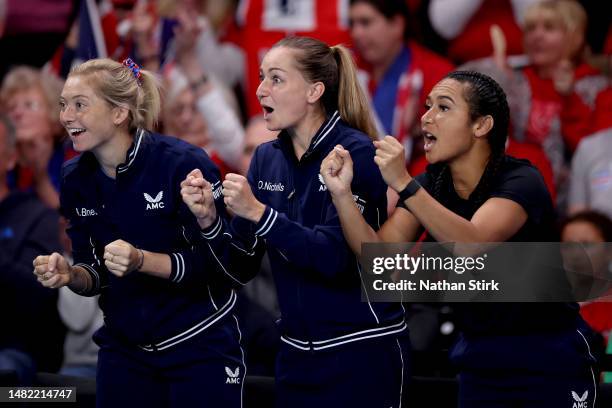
[213, 230]
[177, 262]
[265, 224]
[95, 279]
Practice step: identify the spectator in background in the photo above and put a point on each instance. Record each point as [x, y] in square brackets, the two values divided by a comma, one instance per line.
[198, 108]
[591, 227]
[32, 334]
[465, 24]
[397, 72]
[154, 28]
[30, 98]
[256, 133]
[557, 99]
[591, 176]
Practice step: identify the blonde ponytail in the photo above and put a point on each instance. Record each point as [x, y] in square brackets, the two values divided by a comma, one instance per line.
[353, 105]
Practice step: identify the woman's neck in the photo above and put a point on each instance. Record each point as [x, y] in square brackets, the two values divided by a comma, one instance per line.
[303, 132]
[467, 171]
[113, 152]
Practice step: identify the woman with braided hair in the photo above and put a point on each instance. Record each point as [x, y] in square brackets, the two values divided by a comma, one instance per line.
[169, 338]
[508, 354]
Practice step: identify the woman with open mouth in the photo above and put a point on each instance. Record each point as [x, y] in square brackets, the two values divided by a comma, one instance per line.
[336, 349]
[169, 338]
[508, 354]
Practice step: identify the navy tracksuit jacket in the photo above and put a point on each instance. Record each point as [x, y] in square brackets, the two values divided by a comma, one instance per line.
[156, 321]
[317, 276]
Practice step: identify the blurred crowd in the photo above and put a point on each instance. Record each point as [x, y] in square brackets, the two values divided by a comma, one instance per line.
[553, 58]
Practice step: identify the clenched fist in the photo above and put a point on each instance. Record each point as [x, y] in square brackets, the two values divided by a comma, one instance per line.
[239, 198]
[121, 257]
[197, 195]
[53, 271]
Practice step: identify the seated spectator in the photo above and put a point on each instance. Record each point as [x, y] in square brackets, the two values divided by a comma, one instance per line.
[30, 98]
[557, 99]
[32, 334]
[591, 176]
[199, 109]
[154, 28]
[397, 72]
[591, 227]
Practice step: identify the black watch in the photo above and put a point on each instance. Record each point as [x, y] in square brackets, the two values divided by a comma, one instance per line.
[409, 190]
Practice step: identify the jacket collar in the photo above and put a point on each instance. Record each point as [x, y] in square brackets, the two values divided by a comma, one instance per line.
[135, 152]
[320, 139]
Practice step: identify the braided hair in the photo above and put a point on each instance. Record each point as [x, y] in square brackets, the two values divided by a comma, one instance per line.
[484, 97]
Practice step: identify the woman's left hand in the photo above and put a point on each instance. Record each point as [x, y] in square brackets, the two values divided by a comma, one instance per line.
[391, 161]
[239, 198]
[121, 257]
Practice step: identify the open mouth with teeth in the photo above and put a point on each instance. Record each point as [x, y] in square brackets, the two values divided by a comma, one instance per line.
[429, 141]
[76, 131]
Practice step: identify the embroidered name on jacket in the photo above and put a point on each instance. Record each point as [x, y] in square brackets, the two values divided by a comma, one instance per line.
[86, 212]
[154, 203]
[268, 186]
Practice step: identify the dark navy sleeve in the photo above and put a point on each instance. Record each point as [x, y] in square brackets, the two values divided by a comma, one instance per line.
[206, 259]
[83, 246]
[235, 240]
[323, 248]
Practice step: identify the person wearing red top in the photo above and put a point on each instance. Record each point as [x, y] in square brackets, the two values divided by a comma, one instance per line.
[593, 229]
[197, 107]
[558, 98]
[397, 71]
[30, 98]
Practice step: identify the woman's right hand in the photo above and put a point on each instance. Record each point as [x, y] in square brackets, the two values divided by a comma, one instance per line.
[52, 271]
[337, 171]
[197, 194]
